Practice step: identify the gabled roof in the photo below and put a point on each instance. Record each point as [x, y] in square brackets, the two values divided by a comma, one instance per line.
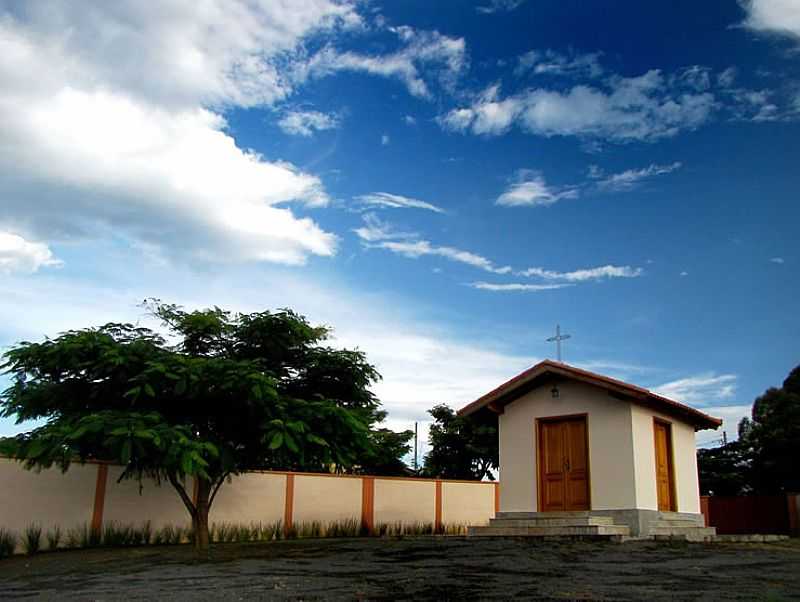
[548, 369]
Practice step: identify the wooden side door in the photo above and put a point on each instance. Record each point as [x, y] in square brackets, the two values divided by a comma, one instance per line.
[664, 480]
[563, 465]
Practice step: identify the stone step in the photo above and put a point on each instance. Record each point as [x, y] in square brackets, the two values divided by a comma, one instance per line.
[676, 522]
[577, 521]
[566, 531]
[689, 533]
[574, 514]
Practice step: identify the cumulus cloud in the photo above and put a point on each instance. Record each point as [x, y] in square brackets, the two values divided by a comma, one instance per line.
[619, 109]
[387, 200]
[515, 287]
[778, 260]
[20, 255]
[125, 131]
[780, 17]
[630, 178]
[701, 389]
[304, 123]
[423, 56]
[531, 190]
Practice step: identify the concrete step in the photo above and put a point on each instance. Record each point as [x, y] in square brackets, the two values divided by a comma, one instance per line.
[575, 514]
[577, 521]
[565, 531]
[676, 522]
[685, 533]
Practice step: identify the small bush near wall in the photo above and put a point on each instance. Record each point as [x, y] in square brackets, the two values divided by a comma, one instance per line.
[32, 538]
[54, 538]
[8, 542]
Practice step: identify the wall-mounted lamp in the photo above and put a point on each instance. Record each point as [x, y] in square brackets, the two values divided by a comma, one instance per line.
[554, 392]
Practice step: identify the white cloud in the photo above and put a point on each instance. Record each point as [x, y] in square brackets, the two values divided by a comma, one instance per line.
[395, 201]
[374, 229]
[781, 17]
[701, 389]
[422, 363]
[516, 286]
[684, 273]
[598, 273]
[124, 132]
[385, 139]
[304, 123]
[495, 6]
[778, 260]
[531, 190]
[424, 55]
[418, 248]
[619, 109]
[630, 178]
[20, 255]
[410, 119]
[551, 62]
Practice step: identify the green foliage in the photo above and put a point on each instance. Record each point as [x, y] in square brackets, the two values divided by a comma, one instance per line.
[461, 447]
[229, 392]
[32, 538]
[83, 536]
[54, 538]
[764, 458]
[116, 534]
[402, 528]
[384, 457]
[8, 542]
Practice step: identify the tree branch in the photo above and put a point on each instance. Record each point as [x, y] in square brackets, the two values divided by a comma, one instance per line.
[187, 501]
[216, 488]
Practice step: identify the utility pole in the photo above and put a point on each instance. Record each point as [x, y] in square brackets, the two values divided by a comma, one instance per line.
[416, 438]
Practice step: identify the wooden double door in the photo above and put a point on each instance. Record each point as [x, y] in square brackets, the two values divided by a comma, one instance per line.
[563, 460]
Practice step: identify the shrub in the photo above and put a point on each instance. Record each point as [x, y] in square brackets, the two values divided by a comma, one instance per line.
[8, 542]
[83, 536]
[54, 538]
[32, 539]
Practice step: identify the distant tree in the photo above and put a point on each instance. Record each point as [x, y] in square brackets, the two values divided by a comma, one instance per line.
[228, 392]
[724, 470]
[386, 453]
[773, 436]
[764, 458]
[461, 447]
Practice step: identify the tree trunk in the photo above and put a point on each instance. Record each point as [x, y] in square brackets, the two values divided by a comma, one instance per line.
[200, 516]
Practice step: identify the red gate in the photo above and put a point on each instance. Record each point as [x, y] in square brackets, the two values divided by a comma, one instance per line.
[765, 514]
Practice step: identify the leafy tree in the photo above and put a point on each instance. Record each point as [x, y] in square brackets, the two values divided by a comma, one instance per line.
[461, 447]
[724, 470]
[763, 459]
[386, 453]
[773, 437]
[225, 393]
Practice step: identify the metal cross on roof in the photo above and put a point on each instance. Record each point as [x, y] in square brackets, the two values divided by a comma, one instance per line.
[558, 338]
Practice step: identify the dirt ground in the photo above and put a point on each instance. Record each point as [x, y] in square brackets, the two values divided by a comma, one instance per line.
[420, 568]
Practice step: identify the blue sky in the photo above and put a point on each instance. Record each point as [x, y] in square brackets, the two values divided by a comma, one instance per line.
[440, 182]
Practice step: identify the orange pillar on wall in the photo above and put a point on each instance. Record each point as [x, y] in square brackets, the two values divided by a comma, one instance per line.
[496, 498]
[99, 497]
[288, 509]
[437, 521]
[368, 504]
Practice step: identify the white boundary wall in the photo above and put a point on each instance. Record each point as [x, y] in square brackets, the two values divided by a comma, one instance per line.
[89, 494]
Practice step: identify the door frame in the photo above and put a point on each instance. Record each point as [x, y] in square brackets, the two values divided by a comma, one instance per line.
[538, 449]
[673, 493]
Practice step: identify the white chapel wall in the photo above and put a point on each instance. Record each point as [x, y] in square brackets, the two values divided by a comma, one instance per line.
[611, 466]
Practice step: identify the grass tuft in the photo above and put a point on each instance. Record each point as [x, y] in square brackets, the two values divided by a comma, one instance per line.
[32, 538]
[54, 538]
[8, 542]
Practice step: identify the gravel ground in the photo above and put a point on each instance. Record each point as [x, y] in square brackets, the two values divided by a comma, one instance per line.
[413, 568]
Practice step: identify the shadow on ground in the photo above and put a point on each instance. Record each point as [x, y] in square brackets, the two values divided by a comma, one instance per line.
[421, 568]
